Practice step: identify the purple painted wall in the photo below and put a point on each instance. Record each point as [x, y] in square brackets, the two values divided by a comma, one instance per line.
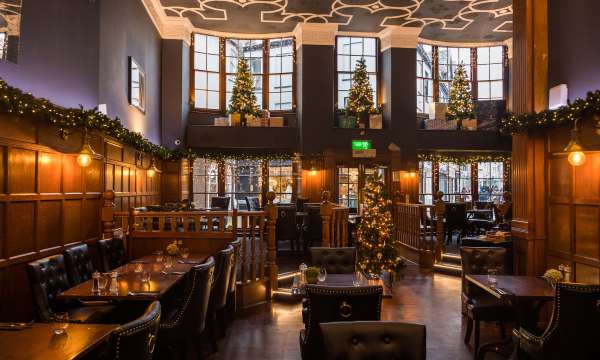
[58, 54]
[574, 49]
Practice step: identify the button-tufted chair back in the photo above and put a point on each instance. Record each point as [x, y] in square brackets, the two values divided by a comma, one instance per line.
[477, 261]
[112, 254]
[314, 223]
[237, 245]
[252, 203]
[285, 227]
[79, 264]
[331, 304]
[220, 202]
[374, 340]
[136, 339]
[336, 260]
[224, 263]
[47, 279]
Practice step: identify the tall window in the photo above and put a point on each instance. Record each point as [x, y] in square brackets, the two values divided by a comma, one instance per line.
[455, 182]
[252, 50]
[281, 69]
[348, 187]
[349, 51]
[205, 182]
[206, 68]
[490, 181]
[243, 178]
[3, 45]
[490, 73]
[426, 182]
[137, 85]
[281, 180]
[424, 77]
[449, 59]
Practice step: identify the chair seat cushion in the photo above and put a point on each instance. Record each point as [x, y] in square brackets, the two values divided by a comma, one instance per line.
[91, 314]
[488, 308]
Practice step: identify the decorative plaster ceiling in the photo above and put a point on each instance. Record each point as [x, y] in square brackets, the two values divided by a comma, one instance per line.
[442, 20]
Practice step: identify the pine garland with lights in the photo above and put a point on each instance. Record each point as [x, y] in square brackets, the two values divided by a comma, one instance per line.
[360, 96]
[377, 248]
[460, 104]
[243, 99]
[472, 159]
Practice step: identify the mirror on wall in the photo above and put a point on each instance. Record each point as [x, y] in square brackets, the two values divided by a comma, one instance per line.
[10, 29]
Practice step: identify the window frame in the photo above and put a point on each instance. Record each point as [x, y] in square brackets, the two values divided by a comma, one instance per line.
[223, 76]
[205, 193]
[489, 64]
[425, 79]
[234, 203]
[3, 45]
[280, 165]
[492, 195]
[141, 85]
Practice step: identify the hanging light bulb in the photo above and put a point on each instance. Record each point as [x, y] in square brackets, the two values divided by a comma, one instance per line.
[576, 155]
[152, 169]
[86, 153]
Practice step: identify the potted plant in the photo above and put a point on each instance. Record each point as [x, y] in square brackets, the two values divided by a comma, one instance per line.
[553, 276]
[360, 97]
[376, 117]
[312, 275]
[461, 108]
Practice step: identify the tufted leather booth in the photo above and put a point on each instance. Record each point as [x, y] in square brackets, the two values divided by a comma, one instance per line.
[333, 304]
[218, 293]
[136, 339]
[336, 260]
[112, 254]
[231, 298]
[48, 278]
[220, 202]
[79, 264]
[477, 304]
[573, 331]
[181, 328]
[374, 340]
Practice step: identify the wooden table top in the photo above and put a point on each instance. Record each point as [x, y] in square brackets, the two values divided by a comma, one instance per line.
[520, 287]
[39, 341]
[348, 280]
[130, 281]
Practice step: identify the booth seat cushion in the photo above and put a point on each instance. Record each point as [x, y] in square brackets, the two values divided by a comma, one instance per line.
[335, 260]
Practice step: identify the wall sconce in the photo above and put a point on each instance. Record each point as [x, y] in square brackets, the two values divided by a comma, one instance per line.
[313, 168]
[576, 153]
[152, 169]
[86, 153]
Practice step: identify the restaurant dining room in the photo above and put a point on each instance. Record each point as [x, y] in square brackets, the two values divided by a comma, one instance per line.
[299, 180]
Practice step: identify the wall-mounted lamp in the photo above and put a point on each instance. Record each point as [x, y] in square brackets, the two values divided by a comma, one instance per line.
[313, 169]
[86, 153]
[576, 153]
[152, 169]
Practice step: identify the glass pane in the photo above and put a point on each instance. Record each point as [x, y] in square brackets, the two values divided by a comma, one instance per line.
[483, 72]
[483, 55]
[443, 55]
[344, 81]
[213, 100]
[275, 47]
[286, 82]
[496, 54]
[200, 43]
[465, 56]
[213, 81]
[370, 46]
[212, 46]
[257, 82]
[201, 80]
[342, 98]
[201, 99]
[275, 64]
[287, 64]
[229, 81]
[286, 101]
[343, 63]
[356, 46]
[496, 90]
[343, 45]
[274, 83]
[483, 90]
[453, 55]
[371, 64]
[496, 72]
[212, 63]
[230, 65]
[200, 61]
[275, 101]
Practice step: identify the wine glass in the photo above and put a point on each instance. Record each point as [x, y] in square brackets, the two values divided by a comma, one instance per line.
[61, 323]
[185, 253]
[357, 279]
[322, 274]
[492, 280]
[168, 262]
[158, 255]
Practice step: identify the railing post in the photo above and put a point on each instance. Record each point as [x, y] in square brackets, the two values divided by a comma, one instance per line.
[271, 213]
[107, 214]
[326, 212]
[440, 210]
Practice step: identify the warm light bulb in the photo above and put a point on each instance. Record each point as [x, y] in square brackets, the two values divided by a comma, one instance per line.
[84, 159]
[413, 174]
[151, 172]
[576, 158]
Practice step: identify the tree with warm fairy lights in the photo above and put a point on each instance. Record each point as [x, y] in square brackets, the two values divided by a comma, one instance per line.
[460, 104]
[360, 96]
[377, 249]
[243, 99]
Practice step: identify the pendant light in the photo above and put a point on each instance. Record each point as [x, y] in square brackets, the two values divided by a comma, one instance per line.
[576, 155]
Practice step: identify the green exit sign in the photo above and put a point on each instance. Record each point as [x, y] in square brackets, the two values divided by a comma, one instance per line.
[361, 144]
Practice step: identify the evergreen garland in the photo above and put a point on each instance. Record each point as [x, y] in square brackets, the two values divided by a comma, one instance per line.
[460, 104]
[471, 159]
[377, 248]
[243, 99]
[360, 97]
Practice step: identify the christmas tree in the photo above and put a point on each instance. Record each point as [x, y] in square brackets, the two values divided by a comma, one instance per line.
[243, 100]
[461, 104]
[377, 249]
[360, 98]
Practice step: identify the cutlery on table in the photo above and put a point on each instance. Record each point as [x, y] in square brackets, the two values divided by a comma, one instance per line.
[142, 293]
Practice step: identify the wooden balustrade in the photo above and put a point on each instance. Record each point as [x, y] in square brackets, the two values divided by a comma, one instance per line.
[334, 227]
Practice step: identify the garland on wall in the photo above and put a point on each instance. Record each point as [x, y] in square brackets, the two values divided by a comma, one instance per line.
[15, 101]
[471, 159]
[578, 109]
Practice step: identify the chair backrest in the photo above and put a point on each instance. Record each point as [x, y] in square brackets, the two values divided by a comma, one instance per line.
[374, 340]
[314, 222]
[224, 262]
[47, 278]
[483, 204]
[252, 203]
[300, 201]
[456, 215]
[477, 261]
[237, 246]
[285, 227]
[336, 260]
[112, 253]
[573, 331]
[136, 339]
[191, 313]
[79, 264]
[220, 202]
[333, 304]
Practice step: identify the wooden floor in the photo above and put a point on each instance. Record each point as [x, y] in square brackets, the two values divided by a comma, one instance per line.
[270, 331]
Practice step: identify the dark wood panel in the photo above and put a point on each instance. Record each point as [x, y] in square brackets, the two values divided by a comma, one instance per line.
[72, 221]
[49, 172]
[49, 224]
[587, 232]
[126, 187]
[21, 171]
[93, 177]
[20, 237]
[587, 274]
[90, 226]
[114, 152]
[118, 185]
[560, 177]
[559, 234]
[2, 179]
[586, 185]
[72, 182]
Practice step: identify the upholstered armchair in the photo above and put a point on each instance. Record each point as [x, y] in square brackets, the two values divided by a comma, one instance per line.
[374, 340]
[478, 305]
[286, 227]
[220, 202]
[573, 330]
[335, 260]
[78, 264]
[252, 203]
[112, 253]
[333, 304]
[456, 219]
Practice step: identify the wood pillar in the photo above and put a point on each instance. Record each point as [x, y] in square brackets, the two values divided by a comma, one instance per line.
[271, 212]
[326, 213]
[440, 210]
[107, 214]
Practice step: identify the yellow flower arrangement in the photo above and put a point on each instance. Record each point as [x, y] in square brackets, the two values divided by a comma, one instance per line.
[172, 248]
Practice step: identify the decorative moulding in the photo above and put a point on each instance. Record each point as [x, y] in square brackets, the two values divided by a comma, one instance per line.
[168, 27]
[315, 34]
[399, 37]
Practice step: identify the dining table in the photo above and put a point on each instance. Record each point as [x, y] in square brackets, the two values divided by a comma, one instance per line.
[131, 287]
[39, 342]
[347, 280]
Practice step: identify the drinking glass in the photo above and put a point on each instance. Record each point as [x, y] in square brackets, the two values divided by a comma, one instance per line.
[168, 262]
[357, 279]
[158, 255]
[492, 280]
[322, 274]
[185, 253]
[102, 282]
[61, 323]
[146, 277]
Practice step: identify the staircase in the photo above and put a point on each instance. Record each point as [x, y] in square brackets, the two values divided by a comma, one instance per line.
[450, 265]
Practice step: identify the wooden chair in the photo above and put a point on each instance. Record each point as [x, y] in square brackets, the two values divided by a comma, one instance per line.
[286, 227]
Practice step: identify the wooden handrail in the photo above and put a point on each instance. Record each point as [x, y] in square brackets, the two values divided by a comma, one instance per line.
[334, 223]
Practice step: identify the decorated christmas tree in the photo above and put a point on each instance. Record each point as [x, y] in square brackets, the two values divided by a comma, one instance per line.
[360, 98]
[460, 105]
[377, 249]
[243, 100]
